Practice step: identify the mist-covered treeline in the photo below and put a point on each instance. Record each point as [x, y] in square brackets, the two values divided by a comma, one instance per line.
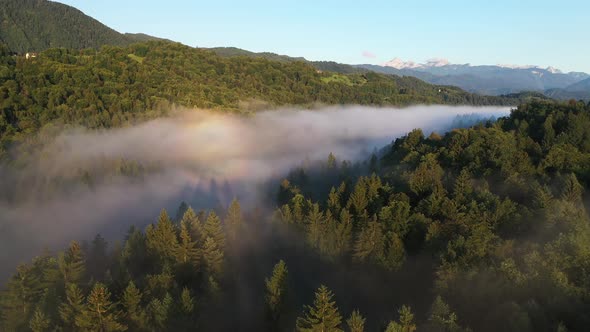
[481, 229]
[116, 86]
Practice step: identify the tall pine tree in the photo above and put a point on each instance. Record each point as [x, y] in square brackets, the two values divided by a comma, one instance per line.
[135, 316]
[213, 258]
[323, 316]
[72, 307]
[276, 291]
[213, 230]
[161, 239]
[99, 313]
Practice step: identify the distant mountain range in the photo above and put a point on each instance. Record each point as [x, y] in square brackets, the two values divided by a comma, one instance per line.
[490, 79]
[36, 25]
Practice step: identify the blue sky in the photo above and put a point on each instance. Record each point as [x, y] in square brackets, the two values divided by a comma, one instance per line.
[540, 32]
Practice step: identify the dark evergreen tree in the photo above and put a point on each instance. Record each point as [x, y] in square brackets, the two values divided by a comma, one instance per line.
[134, 314]
[234, 221]
[72, 307]
[40, 322]
[276, 291]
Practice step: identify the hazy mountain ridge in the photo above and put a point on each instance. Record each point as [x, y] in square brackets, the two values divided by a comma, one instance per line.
[483, 79]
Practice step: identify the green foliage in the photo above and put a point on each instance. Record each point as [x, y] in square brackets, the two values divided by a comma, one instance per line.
[187, 251]
[99, 313]
[213, 257]
[212, 229]
[356, 322]
[494, 216]
[161, 239]
[159, 311]
[72, 307]
[20, 297]
[322, 316]
[115, 86]
[406, 321]
[187, 303]
[69, 268]
[40, 322]
[276, 290]
[369, 244]
[135, 315]
[33, 26]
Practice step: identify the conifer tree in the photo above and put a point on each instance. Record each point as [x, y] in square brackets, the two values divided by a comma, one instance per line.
[97, 258]
[182, 208]
[323, 316]
[187, 252]
[135, 316]
[286, 216]
[358, 199]
[134, 255]
[571, 190]
[39, 322]
[332, 163]
[462, 187]
[193, 223]
[427, 177]
[234, 220]
[187, 302]
[441, 317]
[159, 311]
[99, 313]
[394, 254]
[369, 244]
[334, 200]
[161, 239]
[20, 297]
[343, 233]
[406, 321]
[356, 322]
[327, 241]
[373, 184]
[72, 307]
[298, 211]
[69, 267]
[395, 217]
[315, 226]
[213, 230]
[213, 257]
[213, 288]
[276, 290]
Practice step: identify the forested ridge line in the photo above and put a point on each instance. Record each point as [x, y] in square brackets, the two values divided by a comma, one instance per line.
[115, 86]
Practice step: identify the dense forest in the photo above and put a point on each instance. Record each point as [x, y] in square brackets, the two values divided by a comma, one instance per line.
[482, 229]
[36, 25]
[114, 86]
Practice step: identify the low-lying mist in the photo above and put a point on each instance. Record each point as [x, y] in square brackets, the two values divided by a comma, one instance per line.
[84, 182]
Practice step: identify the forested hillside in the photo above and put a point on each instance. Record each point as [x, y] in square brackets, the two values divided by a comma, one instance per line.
[36, 25]
[482, 229]
[116, 85]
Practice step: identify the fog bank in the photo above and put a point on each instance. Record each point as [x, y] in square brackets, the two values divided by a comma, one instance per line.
[201, 157]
